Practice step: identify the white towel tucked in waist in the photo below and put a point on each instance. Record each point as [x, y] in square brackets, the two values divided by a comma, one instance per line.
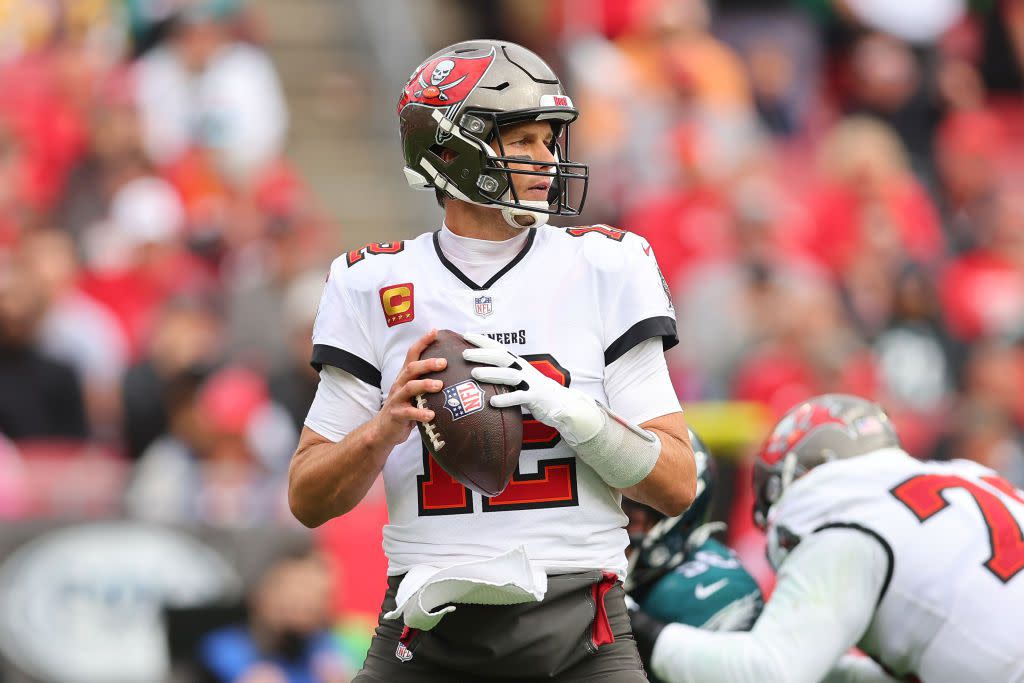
[507, 579]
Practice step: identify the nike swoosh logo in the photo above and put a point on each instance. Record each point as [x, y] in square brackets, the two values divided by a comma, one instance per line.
[647, 250]
[704, 592]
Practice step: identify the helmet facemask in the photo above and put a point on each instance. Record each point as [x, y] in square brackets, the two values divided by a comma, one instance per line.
[494, 185]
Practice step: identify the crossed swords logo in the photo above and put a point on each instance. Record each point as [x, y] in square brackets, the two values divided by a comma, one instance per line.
[437, 76]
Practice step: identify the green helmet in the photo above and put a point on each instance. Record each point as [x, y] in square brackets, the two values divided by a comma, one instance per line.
[457, 99]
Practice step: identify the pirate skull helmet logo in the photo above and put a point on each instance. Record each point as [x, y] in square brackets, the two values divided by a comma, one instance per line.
[441, 71]
[437, 86]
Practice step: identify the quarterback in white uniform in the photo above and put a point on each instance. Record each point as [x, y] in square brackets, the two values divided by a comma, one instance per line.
[919, 564]
[575, 318]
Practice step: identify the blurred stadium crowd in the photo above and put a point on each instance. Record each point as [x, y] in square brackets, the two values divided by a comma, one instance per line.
[833, 189]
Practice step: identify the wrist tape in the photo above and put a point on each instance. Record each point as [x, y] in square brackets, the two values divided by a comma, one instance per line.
[621, 453]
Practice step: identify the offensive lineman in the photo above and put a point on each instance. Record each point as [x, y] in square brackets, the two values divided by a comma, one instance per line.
[524, 585]
[919, 564]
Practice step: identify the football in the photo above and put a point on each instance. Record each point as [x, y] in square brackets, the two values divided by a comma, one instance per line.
[477, 444]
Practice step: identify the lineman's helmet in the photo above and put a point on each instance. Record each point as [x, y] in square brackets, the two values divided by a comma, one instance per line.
[822, 429]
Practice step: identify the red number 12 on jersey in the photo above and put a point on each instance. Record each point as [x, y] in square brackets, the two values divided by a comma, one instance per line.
[554, 484]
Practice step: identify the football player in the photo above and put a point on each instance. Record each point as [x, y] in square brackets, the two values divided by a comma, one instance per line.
[678, 573]
[919, 564]
[525, 584]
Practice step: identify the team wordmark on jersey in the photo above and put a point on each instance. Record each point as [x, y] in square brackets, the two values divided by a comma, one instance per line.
[397, 302]
[517, 337]
[465, 398]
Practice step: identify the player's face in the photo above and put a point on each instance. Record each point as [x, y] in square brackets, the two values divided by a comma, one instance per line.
[533, 140]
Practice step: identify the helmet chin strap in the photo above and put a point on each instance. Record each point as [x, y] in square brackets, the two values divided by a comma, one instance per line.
[521, 218]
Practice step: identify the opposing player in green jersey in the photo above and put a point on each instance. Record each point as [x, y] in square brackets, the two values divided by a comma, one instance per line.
[678, 573]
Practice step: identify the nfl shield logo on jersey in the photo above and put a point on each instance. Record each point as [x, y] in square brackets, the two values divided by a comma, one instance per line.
[484, 306]
[464, 398]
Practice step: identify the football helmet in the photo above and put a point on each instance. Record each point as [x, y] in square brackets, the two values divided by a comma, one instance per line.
[664, 546]
[450, 112]
[819, 430]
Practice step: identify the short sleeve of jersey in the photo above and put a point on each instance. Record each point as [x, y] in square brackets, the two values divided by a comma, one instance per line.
[637, 304]
[340, 337]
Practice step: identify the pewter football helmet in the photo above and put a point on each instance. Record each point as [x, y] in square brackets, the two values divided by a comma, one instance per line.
[816, 431]
[457, 99]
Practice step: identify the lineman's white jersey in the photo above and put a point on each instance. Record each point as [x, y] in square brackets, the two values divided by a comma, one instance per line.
[573, 301]
[952, 609]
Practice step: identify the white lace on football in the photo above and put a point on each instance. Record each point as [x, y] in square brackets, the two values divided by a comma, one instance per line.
[429, 428]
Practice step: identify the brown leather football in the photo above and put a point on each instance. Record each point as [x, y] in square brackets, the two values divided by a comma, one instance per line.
[472, 441]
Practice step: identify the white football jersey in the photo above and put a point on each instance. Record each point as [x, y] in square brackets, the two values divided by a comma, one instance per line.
[953, 607]
[573, 301]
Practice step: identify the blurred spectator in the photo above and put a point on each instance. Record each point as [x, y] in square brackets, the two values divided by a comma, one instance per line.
[207, 90]
[808, 349]
[993, 377]
[741, 282]
[983, 290]
[293, 381]
[224, 458]
[287, 638]
[39, 397]
[665, 77]
[259, 274]
[136, 260]
[987, 435]
[968, 147]
[187, 338]
[1002, 63]
[869, 206]
[918, 362]
[76, 329]
[114, 157]
[690, 223]
[887, 83]
[781, 47]
[988, 423]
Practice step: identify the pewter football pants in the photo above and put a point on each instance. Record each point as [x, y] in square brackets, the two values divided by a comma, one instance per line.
[579, 632]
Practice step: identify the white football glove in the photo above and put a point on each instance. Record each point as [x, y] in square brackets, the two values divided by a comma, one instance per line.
[576, 416]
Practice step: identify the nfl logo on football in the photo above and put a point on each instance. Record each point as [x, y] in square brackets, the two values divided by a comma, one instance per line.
[465, 398]
[483, 306]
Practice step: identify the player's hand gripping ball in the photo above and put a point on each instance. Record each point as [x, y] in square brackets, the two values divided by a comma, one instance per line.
[474, 442]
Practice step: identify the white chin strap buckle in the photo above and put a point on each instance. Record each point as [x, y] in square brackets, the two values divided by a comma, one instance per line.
[524, 218]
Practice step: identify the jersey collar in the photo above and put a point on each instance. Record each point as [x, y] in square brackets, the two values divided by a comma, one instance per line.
[494, 278]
